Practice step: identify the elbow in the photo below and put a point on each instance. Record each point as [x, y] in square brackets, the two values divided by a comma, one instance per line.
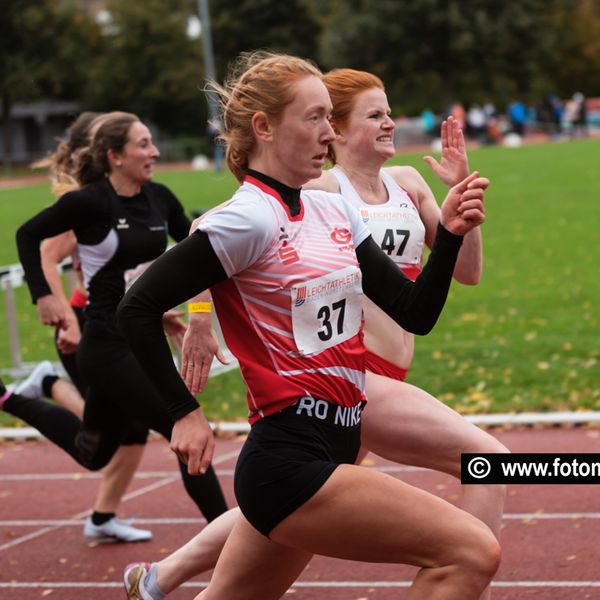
[419, 326]
[469, 279]
[135, 316]
[422, 329]
[20, 236]
[468, 275]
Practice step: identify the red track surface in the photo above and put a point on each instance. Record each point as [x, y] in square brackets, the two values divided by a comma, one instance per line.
[549, 552]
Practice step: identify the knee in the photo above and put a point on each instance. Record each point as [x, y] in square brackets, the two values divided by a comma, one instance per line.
[88, 447]
[481, 554]
[491, 556]
[92, 464]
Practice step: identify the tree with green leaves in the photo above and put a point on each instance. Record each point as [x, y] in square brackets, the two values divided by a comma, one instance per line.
[148, 65]
[577, 47]
[45, 49]
[430, 52]
[290, 27]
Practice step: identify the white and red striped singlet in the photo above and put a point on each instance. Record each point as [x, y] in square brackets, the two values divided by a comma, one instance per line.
[291, 310]
[395, 225]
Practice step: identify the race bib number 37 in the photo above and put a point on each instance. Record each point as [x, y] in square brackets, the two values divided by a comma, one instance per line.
[327, 310]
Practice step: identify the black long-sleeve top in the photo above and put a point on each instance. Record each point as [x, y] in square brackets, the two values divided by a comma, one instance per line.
[114, 234]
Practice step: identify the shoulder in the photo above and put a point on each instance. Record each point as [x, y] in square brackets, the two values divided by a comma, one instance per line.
[93, 195]
[249, 197]
[327, 182]
[246, 210]
[413, 182]
[159, 188]
[161, 191]
[325, 198]
[405, 176]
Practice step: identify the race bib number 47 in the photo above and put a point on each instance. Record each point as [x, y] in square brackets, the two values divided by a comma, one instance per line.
[327, 311]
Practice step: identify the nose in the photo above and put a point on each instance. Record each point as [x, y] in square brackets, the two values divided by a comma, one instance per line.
[389, 122]
[154, 151]
[328, 134]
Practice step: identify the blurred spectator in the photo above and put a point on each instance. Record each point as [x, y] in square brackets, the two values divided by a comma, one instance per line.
[558, 109]
[493, 130]
[517, 113]
[580, 125]
[213, 130]
[548, 115]
[476, 123]
[575, 116]
[489, 110]
[428, 119]
[457, 110]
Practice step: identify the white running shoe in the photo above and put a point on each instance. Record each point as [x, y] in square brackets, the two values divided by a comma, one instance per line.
[116, 530]
[133, 578]
[32, 386]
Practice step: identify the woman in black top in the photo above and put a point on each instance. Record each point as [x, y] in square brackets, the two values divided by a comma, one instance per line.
[121, 220]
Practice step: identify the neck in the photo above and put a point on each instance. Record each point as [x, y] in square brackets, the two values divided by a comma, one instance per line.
[124, 186]
[291, 196]
[363, 177]
[263, 163]
[360, 169]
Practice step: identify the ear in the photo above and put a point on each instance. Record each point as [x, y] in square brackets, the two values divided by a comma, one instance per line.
[261, 127]
[114, 158]
[339, 136]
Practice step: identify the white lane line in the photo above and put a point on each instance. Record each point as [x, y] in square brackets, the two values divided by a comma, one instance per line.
[75, 476]
[85, 513]
[198, 521]
[148, 488]
[74, 522]
[302, 584]
[551, 516]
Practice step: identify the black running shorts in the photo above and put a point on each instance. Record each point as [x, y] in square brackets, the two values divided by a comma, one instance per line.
[289, 455]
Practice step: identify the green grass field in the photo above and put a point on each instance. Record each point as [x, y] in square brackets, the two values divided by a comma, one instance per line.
[526, 338]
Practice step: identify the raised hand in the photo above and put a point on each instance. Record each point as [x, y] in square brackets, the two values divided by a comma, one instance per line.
[463, 209]
[454, 165]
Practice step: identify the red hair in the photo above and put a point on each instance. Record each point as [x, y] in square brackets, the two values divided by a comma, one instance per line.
[259, 81]
[344, 85]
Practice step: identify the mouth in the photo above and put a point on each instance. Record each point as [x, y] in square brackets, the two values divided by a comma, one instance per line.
[385, 138]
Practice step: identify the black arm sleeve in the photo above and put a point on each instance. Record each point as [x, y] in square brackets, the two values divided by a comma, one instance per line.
[184, 271]
[415, 306]
[65, 214]
[178, 223]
